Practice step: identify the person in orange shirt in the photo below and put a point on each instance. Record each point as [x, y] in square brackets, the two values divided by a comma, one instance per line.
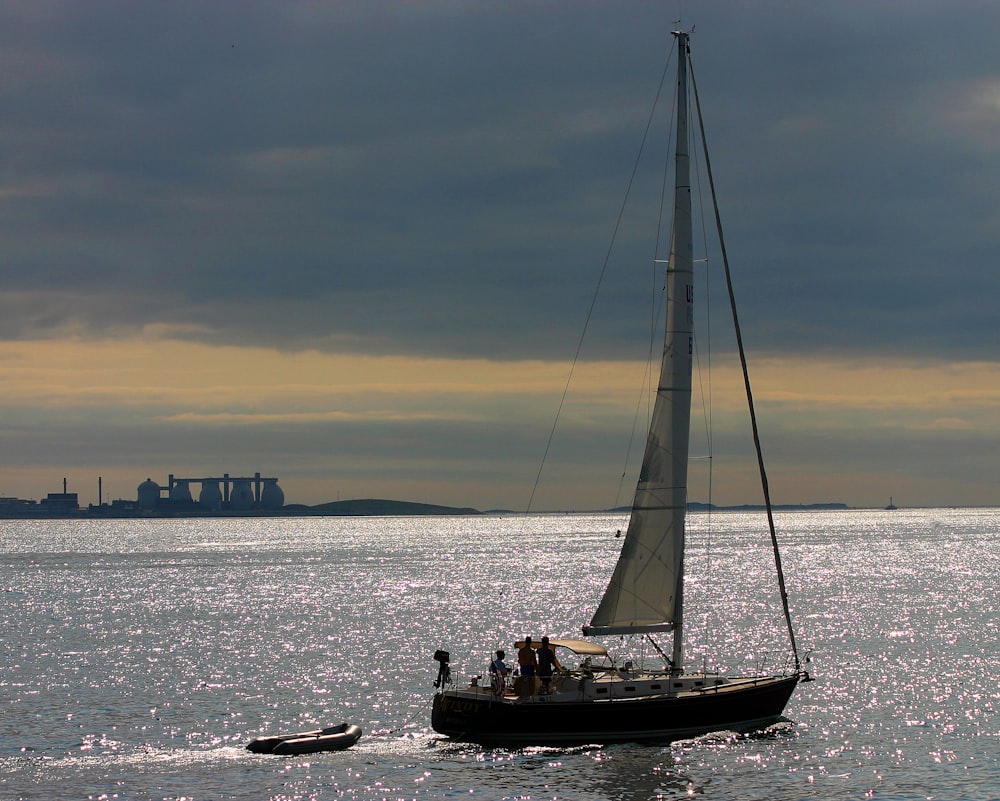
[528, 663]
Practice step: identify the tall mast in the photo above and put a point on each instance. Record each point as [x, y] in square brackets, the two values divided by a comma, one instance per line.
[675, 376]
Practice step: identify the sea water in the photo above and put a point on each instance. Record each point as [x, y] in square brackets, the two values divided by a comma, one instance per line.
[140, 656]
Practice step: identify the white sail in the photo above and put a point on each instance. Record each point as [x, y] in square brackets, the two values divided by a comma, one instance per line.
[645, 590]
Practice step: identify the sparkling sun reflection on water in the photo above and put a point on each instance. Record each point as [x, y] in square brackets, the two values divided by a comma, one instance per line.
[142, 655]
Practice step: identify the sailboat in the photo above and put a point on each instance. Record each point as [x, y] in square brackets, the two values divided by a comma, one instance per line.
[600, 701]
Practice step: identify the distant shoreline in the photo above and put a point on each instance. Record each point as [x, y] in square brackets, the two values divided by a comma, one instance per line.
[373, 507]
[366, 507]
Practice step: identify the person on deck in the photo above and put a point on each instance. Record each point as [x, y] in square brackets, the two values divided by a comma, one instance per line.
[528, 663]
[498, 673]
[546, 661]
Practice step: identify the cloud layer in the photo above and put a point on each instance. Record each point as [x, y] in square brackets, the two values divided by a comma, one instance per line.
[353, 244]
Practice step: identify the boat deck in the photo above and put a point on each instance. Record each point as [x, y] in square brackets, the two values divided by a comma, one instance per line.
[577, 685]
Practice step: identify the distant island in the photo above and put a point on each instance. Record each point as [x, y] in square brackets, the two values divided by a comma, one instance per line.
[376, 507]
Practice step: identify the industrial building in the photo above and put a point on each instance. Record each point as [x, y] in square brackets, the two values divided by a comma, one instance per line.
[217, 493]
[223, 494]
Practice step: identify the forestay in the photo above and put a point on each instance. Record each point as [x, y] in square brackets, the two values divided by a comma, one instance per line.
[645, 591]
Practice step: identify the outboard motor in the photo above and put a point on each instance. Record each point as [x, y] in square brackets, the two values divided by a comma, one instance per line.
[444, 670]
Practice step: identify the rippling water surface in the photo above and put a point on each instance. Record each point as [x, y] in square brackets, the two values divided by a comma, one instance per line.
[141, 656]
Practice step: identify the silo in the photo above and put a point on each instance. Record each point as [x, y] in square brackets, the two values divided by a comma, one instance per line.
[242, 495]
[149, 495]
[210, 496]
[272, 497]
[181, 491]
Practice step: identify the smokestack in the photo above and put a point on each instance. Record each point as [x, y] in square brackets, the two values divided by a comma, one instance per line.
[64, 486]
[100, 491]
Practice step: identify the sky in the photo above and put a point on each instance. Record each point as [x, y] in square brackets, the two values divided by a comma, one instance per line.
[353, 245]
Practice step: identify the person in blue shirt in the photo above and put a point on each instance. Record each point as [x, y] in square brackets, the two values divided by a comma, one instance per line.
[498, 673]
[547, 660]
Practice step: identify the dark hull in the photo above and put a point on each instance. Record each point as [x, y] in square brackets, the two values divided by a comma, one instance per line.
[745, 707]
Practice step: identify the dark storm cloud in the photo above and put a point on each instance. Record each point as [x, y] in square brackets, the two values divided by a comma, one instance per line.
[443, 178]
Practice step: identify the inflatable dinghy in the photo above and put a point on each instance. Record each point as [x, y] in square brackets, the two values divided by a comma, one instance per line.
[334, 738]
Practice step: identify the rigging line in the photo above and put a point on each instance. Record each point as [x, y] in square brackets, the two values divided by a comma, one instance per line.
[706, 395]
[422, 710]
[706, 386]
[600, 280]
[656, 307]
[631, 439]
[746, 377]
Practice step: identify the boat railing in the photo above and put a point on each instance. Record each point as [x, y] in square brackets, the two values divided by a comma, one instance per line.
[767, 664]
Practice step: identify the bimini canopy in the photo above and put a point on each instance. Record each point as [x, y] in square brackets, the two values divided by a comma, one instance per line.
[582, 647]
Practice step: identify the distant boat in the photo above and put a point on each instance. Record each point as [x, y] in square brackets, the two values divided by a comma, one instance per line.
[601, 701]
[891, 507]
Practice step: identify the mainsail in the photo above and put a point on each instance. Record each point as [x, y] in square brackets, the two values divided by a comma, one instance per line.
[645, 591]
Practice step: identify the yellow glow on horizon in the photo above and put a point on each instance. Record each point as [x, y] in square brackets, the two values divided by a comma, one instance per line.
[196, 389]
[192, 382]
[935, 393]
[200, 379]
